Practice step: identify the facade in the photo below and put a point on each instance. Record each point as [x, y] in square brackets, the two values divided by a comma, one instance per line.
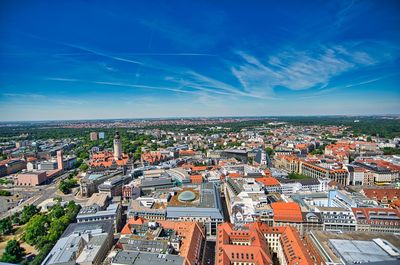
[11, 166]
[33, 178]
[113, 187]
[292, 186]
[381, 174]
[89, 184]
[290, 214]
[337, 219]
[48, 165]
[112, 213]
[341, 176]
[377, 220]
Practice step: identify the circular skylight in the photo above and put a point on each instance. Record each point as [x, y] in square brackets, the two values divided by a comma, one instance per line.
[187, 196]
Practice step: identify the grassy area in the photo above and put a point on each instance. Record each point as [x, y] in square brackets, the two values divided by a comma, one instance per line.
[5, 181]
[17, 234]
[297, 176]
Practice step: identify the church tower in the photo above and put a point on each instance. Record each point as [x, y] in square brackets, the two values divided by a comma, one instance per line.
[117, 147]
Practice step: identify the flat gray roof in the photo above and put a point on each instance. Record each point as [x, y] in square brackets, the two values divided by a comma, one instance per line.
[141, 258]
[359, 251]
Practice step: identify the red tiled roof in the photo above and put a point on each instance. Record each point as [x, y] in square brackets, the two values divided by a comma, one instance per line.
[268, 181]
[287, 212]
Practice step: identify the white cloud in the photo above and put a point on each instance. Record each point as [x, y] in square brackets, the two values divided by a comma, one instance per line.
[298, 70]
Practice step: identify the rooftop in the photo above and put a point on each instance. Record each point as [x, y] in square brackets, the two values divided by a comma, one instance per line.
[360, 251]
[142, 258]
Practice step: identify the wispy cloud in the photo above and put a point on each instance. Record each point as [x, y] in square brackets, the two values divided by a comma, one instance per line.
[127, 85]
[329, 90]
[25, 95]
[68, 101]
[62, 79]
[299, 70]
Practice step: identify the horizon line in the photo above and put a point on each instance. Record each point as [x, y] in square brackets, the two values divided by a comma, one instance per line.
[202, 117]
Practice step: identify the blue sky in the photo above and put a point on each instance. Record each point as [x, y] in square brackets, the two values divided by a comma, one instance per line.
[138, 59]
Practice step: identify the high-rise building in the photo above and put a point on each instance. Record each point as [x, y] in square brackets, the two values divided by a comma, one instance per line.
[60, 164]
[93, 136]
[117, 147]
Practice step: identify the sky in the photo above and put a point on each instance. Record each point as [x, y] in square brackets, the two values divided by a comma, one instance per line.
[142, 59]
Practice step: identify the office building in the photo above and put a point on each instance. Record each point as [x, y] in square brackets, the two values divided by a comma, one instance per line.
[82, 243]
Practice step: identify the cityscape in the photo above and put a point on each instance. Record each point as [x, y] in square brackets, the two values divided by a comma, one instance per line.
[200, 132]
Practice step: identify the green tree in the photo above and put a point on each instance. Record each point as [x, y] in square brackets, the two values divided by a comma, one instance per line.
[57, 211]
[83, 167]
[13, 252]
[56, 229]
[15, 219]
[391, 151]
[269, 151]
[294, 175]
[65, 186]
[5, 226]
[35, 229]
[5, 193]
[27, 212]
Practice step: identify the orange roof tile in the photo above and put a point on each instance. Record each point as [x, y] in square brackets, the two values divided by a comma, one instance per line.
[287, 212]
[268, 181]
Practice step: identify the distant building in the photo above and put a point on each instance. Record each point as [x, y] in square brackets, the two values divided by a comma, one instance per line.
[261, 157]
[377, 220]
[94, 212]
[11, 166]
[384, 196]
[105, 160]
[117, 147]
[48, 165]
[93, 136]
[60, 162]
[89, 184]
[290, 214]
[33, 178]
[153, 158]
[113, 187]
